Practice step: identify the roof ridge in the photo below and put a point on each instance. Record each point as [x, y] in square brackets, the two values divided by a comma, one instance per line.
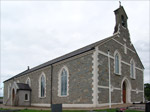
[63, 57]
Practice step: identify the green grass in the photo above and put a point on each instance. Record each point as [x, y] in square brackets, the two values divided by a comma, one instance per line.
[26, 110]
[105, 110]
[132, 111]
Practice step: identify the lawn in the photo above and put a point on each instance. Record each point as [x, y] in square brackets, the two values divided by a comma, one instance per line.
[106, 110]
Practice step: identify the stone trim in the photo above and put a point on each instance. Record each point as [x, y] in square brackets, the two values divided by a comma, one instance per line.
[125, 48]
[118, 32]
[27, 97]
[40, 105]
[74, 105]
[14, 87]
[117, 88]
[137, 90]
[95, 77]
[59, 81]
[123, 45]
[104, 87]
[107, 104]
[103, 53]
[9, 90]
[129, 88]
[42, 74]
[112, 88]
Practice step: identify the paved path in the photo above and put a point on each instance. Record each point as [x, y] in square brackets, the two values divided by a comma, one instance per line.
[140, 107]
[48, 108]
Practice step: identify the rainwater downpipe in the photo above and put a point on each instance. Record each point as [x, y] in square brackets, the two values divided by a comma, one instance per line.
[109, 79]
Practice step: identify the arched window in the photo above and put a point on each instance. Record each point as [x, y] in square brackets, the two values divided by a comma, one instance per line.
[63, 82]
[117, 63]
[28, 81]
[132, 69]
[42, 85]
[123, 21]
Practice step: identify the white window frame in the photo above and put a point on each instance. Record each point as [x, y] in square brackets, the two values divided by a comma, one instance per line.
[119, 56]
[42, 74]
[27, 97]
[133, 76]
[59, 81]
[29, 81]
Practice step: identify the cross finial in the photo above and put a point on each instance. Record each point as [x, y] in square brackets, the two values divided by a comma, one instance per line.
[119, 4]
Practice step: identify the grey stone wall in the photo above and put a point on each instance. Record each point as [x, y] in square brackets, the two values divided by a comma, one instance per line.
[80, 82]
[103, 70]
[138, 83]
[5, 98]
[103, 95]
[34, 78]
[136, 97]
[116, 96]
[116, 80]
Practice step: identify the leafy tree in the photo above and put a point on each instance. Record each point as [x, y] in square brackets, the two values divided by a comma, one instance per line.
[147, 91]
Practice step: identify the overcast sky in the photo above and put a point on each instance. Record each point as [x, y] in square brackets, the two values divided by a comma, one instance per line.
[38, 31]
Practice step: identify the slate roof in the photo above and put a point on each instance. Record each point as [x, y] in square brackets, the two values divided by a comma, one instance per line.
[66, 56]
[22, 86]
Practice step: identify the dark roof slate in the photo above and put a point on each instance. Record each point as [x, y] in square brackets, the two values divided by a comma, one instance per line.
[66, 56]
[22, 86]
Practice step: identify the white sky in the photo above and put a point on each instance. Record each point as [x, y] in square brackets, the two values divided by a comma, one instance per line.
[38, 31]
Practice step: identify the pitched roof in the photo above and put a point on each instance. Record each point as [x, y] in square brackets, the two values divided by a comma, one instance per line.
[22, 86]
[66, 56]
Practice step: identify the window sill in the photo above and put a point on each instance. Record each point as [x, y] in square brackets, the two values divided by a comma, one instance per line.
[117, 74]
[26, 100]
[132, 78]
[42, 97]
[63, 96]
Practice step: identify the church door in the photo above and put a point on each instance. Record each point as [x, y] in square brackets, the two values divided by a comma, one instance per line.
[124, 92]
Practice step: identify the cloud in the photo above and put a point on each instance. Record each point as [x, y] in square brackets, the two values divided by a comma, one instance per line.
[35, 32]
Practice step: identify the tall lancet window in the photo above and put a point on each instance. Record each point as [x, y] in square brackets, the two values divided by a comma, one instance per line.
[132, 69]
[64, 82]
[42, 85]
[117, 63]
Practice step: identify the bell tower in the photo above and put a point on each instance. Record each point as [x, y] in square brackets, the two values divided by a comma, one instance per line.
[121, 18]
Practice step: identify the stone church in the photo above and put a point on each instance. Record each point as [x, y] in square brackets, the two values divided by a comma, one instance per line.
[106, 72]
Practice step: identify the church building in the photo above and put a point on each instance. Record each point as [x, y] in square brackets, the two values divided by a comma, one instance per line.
[106, 72]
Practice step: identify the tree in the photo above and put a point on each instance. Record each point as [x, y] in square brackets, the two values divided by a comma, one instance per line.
[147, 91]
